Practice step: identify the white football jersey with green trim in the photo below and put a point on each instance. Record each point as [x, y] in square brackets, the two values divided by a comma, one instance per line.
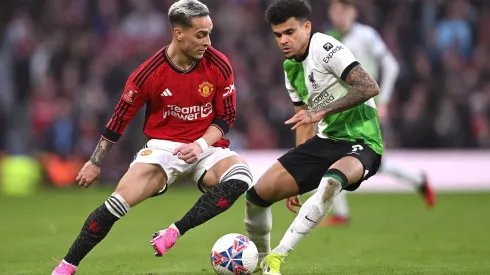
[318, 80]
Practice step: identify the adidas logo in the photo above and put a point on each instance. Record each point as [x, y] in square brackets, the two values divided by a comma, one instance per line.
[166, 93]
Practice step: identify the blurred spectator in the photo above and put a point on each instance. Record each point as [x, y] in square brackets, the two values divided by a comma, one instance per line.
[454, 31]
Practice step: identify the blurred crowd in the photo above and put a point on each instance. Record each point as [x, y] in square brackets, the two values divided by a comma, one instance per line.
[64, 63]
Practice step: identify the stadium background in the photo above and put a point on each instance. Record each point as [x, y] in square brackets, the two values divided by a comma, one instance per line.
[63, 65]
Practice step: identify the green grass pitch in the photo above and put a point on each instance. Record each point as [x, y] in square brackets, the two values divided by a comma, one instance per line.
[389, 234]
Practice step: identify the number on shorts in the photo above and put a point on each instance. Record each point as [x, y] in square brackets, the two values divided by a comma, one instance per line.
[357, 147]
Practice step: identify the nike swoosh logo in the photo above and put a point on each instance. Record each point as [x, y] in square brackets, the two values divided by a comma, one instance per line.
[306, 217]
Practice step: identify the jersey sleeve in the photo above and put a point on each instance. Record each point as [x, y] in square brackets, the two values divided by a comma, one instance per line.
[292, 92]
[225, 97]
[333, 56]
[131, 101]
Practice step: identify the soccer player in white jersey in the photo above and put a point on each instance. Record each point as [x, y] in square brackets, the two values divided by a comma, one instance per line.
[370, 50]
[331, 89]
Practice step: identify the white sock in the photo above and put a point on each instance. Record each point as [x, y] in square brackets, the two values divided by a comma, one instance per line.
[65, 262]
[311, 213]
[258, 223]
[341, 206]
[175, 227]
[415, 179]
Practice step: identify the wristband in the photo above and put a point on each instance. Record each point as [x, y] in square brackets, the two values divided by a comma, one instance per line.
[204, 145]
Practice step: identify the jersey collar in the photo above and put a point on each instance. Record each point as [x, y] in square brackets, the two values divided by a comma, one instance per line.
[177, 69]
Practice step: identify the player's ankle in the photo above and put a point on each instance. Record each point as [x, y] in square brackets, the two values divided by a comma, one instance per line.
[173, 226]
[282, 249]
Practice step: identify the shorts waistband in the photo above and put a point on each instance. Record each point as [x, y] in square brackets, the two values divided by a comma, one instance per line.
[161, 143]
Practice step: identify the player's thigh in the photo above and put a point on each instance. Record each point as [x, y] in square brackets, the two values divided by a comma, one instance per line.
[214, 163]
[308, 162]
[141, 181]
[160, 153]
[276, 184]
[358, 162]
[351, 167]
[153, 169]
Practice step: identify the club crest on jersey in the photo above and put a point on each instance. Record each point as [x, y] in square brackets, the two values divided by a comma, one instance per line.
[206, 89]
[311, 78]
[130, 96]
[146, 152]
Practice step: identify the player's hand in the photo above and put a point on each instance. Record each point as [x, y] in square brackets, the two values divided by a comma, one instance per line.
[188, 152]
[89, 173]
[293, 202]
[304, 117]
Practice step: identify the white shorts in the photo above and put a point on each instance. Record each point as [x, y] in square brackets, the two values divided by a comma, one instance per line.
[157, 151]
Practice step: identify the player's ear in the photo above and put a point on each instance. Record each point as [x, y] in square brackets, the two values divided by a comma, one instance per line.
[178, 34]
[307, 26]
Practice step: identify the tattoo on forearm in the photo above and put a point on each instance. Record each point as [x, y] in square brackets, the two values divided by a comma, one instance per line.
[362, 87]
[359, 79]
[102, 148]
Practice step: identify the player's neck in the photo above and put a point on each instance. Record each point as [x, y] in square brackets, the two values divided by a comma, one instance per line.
[303, 52]
[178, 58]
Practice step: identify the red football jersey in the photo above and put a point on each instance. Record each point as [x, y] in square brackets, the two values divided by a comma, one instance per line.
[180, 105]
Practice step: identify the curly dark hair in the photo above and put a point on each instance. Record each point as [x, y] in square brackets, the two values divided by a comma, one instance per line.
[280, 11]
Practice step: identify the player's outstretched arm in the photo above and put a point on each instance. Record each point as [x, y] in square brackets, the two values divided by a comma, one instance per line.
[132, 99]
[91, 170]
[362, 88]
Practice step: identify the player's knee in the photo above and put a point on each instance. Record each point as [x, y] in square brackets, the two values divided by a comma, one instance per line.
[117, 205]
[255, 199]
[240, 175]
[332, 183]
[331, 189]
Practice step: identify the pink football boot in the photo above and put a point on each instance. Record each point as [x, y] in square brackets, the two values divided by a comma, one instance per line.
[163, 240]
[64, 268]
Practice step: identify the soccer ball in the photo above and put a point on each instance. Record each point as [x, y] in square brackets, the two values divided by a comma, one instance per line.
[234, 254]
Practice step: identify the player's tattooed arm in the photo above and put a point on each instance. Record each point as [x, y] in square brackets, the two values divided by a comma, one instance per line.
[362, 88]
[102, 148]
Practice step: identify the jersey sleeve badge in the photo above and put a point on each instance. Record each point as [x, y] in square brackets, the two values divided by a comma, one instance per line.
[130, 96]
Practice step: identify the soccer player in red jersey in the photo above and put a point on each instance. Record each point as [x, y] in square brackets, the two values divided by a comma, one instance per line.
[190, 105]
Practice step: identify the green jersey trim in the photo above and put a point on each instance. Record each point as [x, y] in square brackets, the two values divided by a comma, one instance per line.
[296, 76]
